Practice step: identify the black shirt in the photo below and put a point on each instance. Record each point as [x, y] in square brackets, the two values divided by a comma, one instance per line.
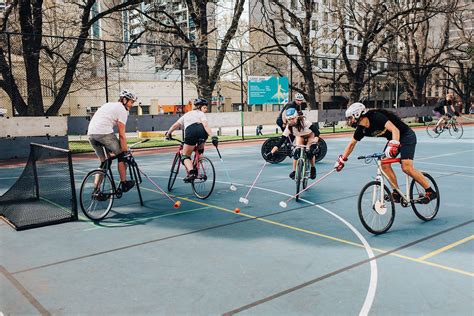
[377, 121]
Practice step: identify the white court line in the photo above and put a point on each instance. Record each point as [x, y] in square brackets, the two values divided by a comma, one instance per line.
[369, 299]
[443, 164]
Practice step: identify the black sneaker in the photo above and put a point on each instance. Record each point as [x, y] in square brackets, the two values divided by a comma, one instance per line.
[191, 176]
[429, 196]
[292, 175]
[312, 174]
[127, 185]
[396, 197]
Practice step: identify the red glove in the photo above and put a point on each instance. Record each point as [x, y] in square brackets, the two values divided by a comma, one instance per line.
[340, 163]
[392, 149]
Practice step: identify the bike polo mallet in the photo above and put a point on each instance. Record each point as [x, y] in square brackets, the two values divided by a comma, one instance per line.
[232, 186]
[244, 199]
[176, 204]
[284, 204]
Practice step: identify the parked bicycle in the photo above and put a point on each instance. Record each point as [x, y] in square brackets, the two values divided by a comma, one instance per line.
[303, 167]
[203, 183]
[98, 189]
[286, 150]
[376, 206]
[452, 125]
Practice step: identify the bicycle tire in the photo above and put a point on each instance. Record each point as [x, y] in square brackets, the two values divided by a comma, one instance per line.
[278, 156]
[371, 211]
[206, 173]
[298, 177]
[456, 130]
[433, 131]
[417, 192]
[89, 197]
[323, 149]
[174, 171]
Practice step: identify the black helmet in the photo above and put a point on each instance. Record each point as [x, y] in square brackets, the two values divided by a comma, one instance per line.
[200, 102]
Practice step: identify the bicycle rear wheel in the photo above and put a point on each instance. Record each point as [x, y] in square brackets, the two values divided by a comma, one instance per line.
[174, 171]
[203, 184]
[376, 213]
[97, 195]
[433, 131]
[425, 212]
[456, 130]
[323, 149]
[278, 156]
[299, 177]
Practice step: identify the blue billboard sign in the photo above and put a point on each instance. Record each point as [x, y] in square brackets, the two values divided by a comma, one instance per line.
[267, 90]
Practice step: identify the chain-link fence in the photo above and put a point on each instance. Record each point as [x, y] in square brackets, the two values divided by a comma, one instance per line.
[168, 78]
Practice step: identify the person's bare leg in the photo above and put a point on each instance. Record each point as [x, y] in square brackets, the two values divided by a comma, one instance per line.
[407, 167]
[391, 175]
[188, 150]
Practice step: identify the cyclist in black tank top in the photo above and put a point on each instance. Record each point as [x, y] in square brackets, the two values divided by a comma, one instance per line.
[401, 139]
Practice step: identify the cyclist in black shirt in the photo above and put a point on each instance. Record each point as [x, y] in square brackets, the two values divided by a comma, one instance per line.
[444, 110]
[401, 139]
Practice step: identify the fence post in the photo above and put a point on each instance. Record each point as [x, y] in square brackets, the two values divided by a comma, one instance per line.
[181, 55]
[334, 79]
[13, 95]
[242, 93]
[291, 80]
[105, 73]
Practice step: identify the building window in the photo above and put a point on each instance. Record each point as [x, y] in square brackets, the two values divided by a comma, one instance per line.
[314, 25]
[324, 63]
[145, 109]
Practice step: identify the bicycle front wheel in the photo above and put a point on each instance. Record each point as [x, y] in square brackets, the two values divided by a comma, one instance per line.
[433, 131]
[376, 208]
[456, 130]
[174, 171]
[299, 177]
[97, 195]
[424, 211]
[203, 184]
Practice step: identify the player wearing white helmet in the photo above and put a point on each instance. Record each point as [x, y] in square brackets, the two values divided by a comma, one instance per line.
[401, 140]
[296, 104]
[101, 132]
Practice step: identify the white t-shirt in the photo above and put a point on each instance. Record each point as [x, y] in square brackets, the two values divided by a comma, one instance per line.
[106, 117]
[305, 132]
[194, 116]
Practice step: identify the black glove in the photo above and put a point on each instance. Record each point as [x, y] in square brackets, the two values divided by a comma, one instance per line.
[215, 140]
[167, 136]
[268, 155]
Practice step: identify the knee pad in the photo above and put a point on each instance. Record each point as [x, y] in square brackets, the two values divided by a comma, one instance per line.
[122, 157]
[296, 153]
[184, 157]
[201, 149]
[313, 150]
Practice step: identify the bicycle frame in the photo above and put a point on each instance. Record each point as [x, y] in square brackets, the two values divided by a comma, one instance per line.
[304, 157]
[197, 154]
[381, 175]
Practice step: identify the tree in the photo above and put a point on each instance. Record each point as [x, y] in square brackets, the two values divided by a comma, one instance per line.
[289, 30]
[197, 40]
[365, 27]
[424, 46]
[29, 14]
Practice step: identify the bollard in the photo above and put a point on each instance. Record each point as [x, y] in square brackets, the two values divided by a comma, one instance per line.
[219, 132]
[237, 132]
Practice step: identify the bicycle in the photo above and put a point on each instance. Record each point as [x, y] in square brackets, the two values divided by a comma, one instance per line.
[286, 150]
[376, 206]
[452, 125]
[302, 168]
[205, 171]
[98, 189]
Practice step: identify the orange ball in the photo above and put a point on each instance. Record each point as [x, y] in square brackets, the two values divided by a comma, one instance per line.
[177, 204]
[237, 210]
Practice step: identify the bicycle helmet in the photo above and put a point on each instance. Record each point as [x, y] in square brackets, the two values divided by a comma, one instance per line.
[355, 110]
[291, 113]
[299, 97]
[129, 95]
[200, 102]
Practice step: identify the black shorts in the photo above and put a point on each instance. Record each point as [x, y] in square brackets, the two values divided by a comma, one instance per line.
[407, 145]
[194, 133]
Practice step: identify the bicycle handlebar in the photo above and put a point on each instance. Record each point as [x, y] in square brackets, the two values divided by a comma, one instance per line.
[171, 138]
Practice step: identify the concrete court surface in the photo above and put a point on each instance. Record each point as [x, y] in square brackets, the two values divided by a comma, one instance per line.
[312, 258]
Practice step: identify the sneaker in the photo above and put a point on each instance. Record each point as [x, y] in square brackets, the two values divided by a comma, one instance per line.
[191, 176]
[292, 175]
[312, 174]
[429, 196]
[396, 197]
[127, 185]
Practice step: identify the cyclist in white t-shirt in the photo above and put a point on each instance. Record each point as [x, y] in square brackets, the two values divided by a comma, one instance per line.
[195, 128]
[101, 133]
